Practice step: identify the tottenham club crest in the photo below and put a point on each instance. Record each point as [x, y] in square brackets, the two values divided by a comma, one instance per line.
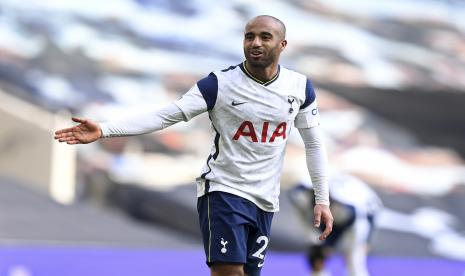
[223, 243]
[290, 100]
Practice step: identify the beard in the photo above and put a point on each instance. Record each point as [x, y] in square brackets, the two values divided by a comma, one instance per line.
[263, 61]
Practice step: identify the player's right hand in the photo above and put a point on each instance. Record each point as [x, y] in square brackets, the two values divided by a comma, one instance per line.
[86, 132]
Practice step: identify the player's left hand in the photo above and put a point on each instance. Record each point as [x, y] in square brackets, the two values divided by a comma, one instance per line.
[322, 213]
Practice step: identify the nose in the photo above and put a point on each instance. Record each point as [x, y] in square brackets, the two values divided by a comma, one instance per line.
[257, 42]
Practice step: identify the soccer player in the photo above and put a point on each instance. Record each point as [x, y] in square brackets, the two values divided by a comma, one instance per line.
[252, 107]
[354, 206]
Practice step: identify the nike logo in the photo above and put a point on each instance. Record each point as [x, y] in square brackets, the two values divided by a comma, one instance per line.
[236, 103]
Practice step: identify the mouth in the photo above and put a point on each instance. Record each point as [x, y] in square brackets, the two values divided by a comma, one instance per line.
[255, 53]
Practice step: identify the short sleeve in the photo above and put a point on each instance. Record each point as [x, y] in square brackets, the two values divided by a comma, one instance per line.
[200, 98]
[308, 115]
[209, 88]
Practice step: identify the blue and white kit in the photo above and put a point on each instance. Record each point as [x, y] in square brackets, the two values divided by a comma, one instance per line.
[251, 121]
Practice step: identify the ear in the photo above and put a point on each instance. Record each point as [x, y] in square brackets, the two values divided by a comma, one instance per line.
[283, 45]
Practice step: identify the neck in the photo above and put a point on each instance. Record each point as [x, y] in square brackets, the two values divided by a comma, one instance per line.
[264, 74]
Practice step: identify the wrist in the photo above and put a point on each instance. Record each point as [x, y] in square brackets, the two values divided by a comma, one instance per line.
[322, 200]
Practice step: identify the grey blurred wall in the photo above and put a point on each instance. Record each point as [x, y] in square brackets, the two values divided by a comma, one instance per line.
[28, 152]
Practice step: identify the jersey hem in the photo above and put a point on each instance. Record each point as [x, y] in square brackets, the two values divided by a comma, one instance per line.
[218, 187]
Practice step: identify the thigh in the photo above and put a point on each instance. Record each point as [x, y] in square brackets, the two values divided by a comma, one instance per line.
[219, 269]
[355, 249]
[224, 229]
[357, 235]
[257, 243]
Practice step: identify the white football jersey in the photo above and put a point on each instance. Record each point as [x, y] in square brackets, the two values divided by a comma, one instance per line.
[251, 121]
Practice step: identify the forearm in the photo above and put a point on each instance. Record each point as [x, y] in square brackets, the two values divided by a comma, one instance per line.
[143, 123]
[315, 153]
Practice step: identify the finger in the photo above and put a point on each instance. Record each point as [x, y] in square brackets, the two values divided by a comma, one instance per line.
[64, 135]
[317, 218]
[59, 136]
[73, 142]
[64, 130]
[328, 230]
[70, 138]
[326, 233]
[79, 120]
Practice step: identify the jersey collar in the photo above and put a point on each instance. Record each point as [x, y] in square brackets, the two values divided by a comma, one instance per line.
[265, 83]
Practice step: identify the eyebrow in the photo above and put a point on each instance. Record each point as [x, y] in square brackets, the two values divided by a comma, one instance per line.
[261, 33]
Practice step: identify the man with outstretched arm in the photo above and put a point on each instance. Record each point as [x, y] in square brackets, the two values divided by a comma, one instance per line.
[252, 107]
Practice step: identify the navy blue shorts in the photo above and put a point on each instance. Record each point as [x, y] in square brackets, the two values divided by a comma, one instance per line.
[234, 230]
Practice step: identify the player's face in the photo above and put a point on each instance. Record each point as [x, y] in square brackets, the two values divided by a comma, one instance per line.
[263, 42]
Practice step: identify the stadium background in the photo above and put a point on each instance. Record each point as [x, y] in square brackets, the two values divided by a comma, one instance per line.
[390, 78]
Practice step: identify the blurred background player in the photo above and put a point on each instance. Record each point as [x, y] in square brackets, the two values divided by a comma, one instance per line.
[354, 206]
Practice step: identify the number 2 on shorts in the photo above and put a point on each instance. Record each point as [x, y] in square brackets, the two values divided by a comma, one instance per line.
[259, 252]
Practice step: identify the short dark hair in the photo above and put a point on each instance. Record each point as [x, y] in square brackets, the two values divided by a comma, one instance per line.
[283, 27]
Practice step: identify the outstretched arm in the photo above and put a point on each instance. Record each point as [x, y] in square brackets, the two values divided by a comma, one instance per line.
[316, 163]
[185, 108]
[88, 131]
[144, 123]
